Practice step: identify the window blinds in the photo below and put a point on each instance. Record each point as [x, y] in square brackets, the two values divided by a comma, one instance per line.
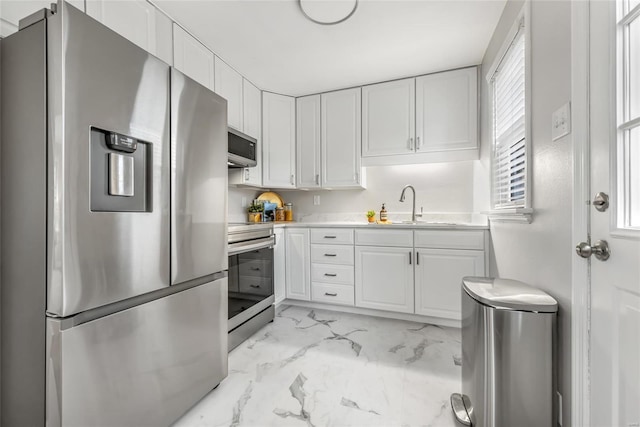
[510, 159]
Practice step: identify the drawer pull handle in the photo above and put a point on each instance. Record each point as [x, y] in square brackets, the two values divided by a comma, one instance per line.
[255, 286]
[331, 294]
[330, 237]
[330, 254]
[255, 268]
[330, 274]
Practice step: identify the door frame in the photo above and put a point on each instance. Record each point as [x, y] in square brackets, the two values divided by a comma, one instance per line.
[580, 268]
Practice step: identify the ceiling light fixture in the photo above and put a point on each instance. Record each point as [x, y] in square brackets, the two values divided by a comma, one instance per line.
[328, 12]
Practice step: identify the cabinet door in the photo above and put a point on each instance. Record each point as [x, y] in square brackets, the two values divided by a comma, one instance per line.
[279, 265]
[384, 278]
[388, 118]
[298, 265]
[134, 19]
[228, 84]
[341, 140]
[447, 111]
[278, 141]
[193, 58]
[252, 122]
[308, 141]
[439, 276]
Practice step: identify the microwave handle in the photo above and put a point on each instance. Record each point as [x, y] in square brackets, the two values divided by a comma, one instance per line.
[252, 245]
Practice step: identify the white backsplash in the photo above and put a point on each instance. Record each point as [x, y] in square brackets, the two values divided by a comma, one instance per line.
[445, 191]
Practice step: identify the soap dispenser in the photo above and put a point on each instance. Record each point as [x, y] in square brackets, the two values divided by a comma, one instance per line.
[383, 214]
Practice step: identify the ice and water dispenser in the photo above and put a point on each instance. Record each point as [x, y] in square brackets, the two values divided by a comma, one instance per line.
[120, 173]
[508, 339]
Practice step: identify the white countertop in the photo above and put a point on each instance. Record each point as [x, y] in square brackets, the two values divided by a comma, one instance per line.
[395, 225]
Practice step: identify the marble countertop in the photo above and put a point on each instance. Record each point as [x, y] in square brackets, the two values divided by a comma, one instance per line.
[395, 225]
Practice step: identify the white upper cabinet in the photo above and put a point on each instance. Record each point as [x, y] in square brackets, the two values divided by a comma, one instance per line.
[308, 141]
[341, 139]
[388, 118]
[12, 11]
[252, 126]
[252, 122]
[228, 84]
[193, 58]
[447, 112]
[278, 141]
[138, 21]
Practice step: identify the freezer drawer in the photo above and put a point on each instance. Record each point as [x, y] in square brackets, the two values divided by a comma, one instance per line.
[144, 366]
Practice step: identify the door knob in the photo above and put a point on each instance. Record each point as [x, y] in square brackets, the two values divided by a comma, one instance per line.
[600, 249]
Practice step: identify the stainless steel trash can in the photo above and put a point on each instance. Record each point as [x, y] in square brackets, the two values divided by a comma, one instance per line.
[508, 339]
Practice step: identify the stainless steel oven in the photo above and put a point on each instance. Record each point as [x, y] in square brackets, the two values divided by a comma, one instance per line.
[251, 295]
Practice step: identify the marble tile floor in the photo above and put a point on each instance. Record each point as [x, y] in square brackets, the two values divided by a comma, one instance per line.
[321, 368]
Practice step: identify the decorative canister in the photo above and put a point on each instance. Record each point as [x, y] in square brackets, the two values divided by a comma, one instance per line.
[288, 212]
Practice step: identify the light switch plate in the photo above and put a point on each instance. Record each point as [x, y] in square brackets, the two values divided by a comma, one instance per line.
[561, 122]
[316, 200]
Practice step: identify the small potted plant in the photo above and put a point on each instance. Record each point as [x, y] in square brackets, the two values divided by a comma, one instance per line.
[371, 216]
[254, 212]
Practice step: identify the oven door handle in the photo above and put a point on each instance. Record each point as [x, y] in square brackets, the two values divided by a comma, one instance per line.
[251, 245]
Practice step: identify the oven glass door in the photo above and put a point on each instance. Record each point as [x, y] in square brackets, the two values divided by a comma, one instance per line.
[250, 279]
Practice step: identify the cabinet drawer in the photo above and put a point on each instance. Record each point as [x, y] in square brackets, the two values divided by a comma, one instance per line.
[399, 238]
[450, 239]
[332, 236]
[335, 294]
[255, 267]
[337, 274]
[332, 254]
[255, 285]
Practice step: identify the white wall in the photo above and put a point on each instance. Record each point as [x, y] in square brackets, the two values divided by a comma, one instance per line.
[540, 253]
[440, 188]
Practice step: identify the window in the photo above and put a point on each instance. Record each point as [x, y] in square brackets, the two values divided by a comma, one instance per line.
[628, 117]
[508, 91]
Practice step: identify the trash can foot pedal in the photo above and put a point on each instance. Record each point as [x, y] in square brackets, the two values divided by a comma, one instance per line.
[459, 409]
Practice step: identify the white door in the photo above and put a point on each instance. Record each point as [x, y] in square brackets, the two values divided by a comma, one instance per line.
[439, 273]
[615, 170]
[298, 264]
[278, 141]
[447, 111]
[308, 141]
[279, 266]
[384, 278]
[193, 58]
[388, 118]
[252, 122]
[341, 138]
[228, 84]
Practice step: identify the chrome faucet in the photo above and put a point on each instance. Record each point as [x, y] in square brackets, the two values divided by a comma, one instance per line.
[413, 209]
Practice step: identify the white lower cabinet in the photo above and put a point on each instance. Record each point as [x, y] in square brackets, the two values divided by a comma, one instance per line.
[332, 266]
[384, 278]
[279, 266]
[438, 281]
[298, 277]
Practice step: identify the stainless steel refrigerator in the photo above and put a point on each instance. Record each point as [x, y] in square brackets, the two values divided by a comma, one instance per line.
[113, 229]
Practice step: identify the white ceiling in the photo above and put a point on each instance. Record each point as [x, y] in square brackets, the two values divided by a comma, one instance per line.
[272, 44]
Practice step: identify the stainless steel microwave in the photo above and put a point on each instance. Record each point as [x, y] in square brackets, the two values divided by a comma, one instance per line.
[242, 150]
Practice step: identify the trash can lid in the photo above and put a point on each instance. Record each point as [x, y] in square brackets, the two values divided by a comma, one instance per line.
[509, 295]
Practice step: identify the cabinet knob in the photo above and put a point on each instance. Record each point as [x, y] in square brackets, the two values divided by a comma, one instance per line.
[330, 274]
[331, 294]
[330, 255]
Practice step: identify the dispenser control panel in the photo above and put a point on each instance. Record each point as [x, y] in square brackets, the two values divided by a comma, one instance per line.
[120, 172]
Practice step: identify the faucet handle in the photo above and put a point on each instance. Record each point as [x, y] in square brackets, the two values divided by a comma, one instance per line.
[421, 212]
